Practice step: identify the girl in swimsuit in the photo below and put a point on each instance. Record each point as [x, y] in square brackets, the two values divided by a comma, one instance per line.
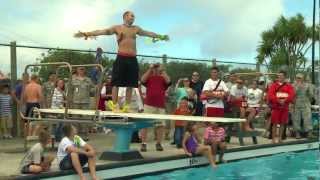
[191, 145]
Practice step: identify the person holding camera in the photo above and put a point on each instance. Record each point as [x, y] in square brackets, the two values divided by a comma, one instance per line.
[156, 82]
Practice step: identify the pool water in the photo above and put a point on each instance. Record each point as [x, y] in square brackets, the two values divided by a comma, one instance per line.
[293, 166]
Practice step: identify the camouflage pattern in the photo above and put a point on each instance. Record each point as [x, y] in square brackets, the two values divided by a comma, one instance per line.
[47, 89]
[302, 106]
[81, 90]
[304, 94]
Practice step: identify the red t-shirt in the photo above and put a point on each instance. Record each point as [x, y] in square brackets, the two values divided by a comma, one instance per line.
[156, 88]
[275, 92]
[181, 112]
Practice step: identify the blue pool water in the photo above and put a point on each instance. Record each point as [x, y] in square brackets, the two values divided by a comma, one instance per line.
[294, 166]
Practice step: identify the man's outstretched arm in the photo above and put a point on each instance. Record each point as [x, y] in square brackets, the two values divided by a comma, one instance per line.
[142, 32]
[108, 31]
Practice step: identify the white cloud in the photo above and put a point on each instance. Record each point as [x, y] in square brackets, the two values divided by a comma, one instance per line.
[226, 29]
[44, 23]
[242, 24]
[216, 28]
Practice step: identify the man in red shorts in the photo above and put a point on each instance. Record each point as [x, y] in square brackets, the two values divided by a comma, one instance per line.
[125, 70]
[280, 95]
[214, 90]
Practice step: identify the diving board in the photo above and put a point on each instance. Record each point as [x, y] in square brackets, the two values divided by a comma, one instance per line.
[141, 116]
[122, 124]
[315, 107]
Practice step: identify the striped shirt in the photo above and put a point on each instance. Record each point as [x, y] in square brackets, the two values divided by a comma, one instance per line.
[57, 99]
[5, 105]
[217, 134]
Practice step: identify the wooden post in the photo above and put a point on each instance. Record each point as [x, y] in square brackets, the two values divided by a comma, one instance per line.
[214, 62]
[13, 63]
[258, 67]
[164, 60]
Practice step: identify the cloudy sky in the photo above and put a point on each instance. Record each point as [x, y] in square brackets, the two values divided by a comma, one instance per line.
[228, 30]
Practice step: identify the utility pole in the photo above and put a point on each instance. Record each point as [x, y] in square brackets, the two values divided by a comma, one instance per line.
[313, 41]
[13, 81]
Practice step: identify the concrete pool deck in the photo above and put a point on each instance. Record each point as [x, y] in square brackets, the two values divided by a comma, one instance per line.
[11, 151]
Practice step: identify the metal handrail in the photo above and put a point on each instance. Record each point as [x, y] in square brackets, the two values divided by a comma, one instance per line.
[60, 64]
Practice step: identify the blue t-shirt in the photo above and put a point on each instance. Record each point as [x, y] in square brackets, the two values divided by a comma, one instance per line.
[18, 91]
[180, 93]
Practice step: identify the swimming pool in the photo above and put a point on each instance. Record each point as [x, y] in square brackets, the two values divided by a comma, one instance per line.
[295, 166]
[259, 165]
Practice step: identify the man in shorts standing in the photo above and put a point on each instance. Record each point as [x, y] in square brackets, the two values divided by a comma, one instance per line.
[125, 71]
[33, 97]
[156, 81]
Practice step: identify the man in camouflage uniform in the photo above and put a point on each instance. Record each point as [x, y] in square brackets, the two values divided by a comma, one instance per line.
[302, 106]
[48, 88]
[170, 107]
[81, 88]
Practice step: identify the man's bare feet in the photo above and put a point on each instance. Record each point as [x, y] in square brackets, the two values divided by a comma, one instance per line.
[214, 165]
[248, 129]
[222, 161]
[94, 178]
[82, 177]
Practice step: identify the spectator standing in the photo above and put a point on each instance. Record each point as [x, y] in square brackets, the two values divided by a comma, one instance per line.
[156, 81]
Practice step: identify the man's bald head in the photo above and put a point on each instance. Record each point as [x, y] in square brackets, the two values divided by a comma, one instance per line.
[128, 17]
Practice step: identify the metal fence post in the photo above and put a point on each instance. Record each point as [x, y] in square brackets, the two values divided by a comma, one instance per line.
[164, 59]
[214, 62]
[13, 73]
[258, 67]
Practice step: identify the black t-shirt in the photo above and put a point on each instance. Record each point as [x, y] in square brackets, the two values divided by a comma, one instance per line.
[108, 91]
[197, 87]
[191, 104]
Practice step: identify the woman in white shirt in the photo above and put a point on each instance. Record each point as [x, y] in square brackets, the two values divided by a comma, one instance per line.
[58, 102]
[58, 96]
[254, 101]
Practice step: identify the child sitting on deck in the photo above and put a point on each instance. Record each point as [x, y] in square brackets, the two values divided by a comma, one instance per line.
[74, 153]
[214, 136]
[191, 145]
[34, 161]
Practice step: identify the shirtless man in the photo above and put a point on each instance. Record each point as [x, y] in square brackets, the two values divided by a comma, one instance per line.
[32, 96]
[125, 71]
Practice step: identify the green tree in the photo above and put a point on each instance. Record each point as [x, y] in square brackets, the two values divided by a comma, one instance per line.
[175, 69]
[248, 78]
[286, 44]
[72, 57]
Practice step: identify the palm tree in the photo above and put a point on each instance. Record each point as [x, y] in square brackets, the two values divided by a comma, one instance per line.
[286, 43]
